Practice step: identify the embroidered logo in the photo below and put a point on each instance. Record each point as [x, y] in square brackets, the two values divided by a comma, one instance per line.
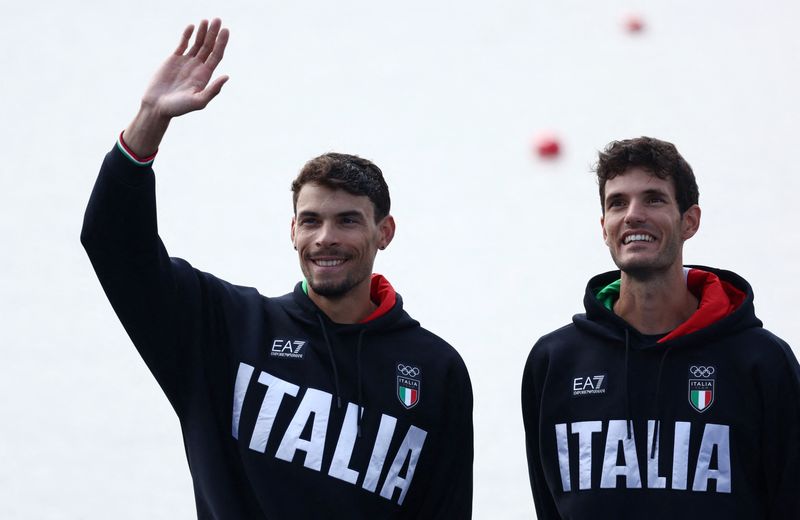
[408, 385]
[288, 348]
[701, 387]
[589, 385]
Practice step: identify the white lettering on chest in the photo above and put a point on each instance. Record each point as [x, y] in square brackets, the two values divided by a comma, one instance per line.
[315, 408]
[408, 451]
[616, 436]
[314, 402]
[620, 464]
[344, 448]
[276, 390]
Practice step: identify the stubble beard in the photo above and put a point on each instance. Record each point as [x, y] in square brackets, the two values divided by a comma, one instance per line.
[646, 270]
[336, 290]
[332, 290]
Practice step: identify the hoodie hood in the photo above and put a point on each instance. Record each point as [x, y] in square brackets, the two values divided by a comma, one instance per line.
[381, 293]
[389, 314]
[726, 306]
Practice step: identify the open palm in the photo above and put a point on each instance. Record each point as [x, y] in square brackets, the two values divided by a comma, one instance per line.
[181, 85]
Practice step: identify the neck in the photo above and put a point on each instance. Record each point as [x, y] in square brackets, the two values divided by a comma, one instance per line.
[655, 304]
[351, 307]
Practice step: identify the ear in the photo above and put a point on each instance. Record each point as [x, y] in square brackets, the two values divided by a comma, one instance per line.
[690, 221]
[603, 226]
[386, 229]
[294, 220]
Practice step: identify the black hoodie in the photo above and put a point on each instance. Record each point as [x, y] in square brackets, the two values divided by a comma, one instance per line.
[701, 423]
[284, 413]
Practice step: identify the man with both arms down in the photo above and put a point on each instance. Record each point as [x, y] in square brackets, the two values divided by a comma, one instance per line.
[666, 398]
[329, 402]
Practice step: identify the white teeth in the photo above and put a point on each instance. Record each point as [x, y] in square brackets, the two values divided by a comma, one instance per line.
[328, 263]
[637, 238]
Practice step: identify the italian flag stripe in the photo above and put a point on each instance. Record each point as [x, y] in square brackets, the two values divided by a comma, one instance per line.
[702, 398]
[408, 395]
[127, 152]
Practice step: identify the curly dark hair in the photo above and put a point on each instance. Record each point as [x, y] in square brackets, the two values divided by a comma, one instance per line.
[350, 173]
[658, 157]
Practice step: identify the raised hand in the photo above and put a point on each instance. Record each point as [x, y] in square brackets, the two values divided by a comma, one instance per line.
[180, 85]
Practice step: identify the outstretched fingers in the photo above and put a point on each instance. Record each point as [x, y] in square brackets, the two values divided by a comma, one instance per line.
[210, 40]
[187, 34]
[209, 43]
[219, 49]
[199, 39]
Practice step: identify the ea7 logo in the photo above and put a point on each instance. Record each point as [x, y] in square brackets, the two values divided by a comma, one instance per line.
[589, 385]
[288, 348]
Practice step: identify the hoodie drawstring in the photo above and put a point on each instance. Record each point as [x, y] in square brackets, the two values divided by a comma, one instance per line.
[358, 376]
[333, 362]
[658, 391]
[657, 427]
[359, 372]
[627, 392]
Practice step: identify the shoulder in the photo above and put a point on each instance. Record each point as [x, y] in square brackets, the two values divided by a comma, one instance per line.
[554, 340]
[556, 355]
[769, 349]
[436, 346]
[425, 349]
[213, 287]
[763, 358]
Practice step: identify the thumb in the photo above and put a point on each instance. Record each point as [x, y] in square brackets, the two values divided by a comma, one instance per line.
[210, 92]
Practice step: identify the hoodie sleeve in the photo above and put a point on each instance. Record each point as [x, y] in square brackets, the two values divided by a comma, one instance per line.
[781, 436]
[532, 381]
[142, 283]
[451, 494]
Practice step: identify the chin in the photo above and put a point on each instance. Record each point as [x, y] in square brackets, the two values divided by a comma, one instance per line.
[643, 269]
[331, 289]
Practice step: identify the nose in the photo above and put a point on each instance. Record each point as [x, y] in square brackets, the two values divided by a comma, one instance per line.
[326, 235]
[636, 213]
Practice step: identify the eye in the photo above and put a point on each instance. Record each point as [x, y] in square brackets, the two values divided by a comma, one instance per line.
[307, 221]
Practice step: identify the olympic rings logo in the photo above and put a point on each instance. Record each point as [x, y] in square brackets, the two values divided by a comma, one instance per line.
[408, 371]
[700, 371]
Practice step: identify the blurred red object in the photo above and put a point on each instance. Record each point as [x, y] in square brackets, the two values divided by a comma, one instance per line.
[547, 146]
[634, 23]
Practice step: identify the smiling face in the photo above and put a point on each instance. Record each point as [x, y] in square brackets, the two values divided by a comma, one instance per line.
[337, 238]
[643, 226]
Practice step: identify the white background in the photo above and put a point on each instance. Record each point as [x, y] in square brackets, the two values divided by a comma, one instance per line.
[493, 248]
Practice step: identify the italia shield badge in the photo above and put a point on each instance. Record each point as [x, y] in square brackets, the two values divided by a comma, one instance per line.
[408, 385]
[701, 387]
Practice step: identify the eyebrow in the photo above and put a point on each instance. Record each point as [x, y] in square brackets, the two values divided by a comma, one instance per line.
[662, 194]
[351, 213]
[651, 191]
[348, 213]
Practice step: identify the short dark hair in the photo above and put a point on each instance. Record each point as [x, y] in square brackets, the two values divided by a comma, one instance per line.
[353, 174]
[658, 157]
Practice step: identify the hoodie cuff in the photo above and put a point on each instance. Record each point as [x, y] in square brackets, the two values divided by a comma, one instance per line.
[136, 159]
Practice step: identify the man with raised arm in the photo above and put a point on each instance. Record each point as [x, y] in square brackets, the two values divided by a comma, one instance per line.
[328, 402]
[666, 399]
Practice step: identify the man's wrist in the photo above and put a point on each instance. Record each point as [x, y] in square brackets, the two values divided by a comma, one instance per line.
[132, 155]
[143, 135]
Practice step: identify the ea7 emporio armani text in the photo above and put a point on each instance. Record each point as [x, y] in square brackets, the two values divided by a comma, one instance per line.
[714, 451]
